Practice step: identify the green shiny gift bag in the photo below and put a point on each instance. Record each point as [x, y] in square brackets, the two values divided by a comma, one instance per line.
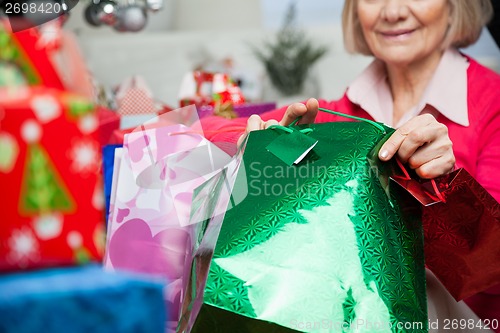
[303, 236]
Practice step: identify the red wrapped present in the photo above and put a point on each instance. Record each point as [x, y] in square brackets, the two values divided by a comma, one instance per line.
[52, 201]
[206, 88]
[46, 55]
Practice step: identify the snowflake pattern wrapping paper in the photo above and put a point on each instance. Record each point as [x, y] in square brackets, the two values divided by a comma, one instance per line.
[318, 246]
[52, 198]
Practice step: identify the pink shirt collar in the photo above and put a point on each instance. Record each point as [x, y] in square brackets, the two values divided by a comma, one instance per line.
[446, 92]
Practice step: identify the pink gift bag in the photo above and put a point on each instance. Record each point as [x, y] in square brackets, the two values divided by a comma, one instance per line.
[154, 176]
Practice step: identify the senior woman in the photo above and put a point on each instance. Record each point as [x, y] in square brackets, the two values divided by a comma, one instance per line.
[445, 105]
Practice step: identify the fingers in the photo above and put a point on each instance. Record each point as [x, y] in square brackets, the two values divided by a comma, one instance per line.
[435, 158]
[270, 123]
[431, 139]
[424, 144]
[255, 123]
[307, 111]
[241, 139]
[411, 132]
[436, 167]
[440, 146]
[312, 110]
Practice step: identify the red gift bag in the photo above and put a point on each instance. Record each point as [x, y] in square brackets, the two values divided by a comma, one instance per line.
[461, 223]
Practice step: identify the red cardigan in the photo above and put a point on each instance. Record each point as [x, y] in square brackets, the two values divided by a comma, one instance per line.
[476, 147]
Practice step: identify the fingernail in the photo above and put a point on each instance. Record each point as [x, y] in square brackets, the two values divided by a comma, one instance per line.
[383, 154]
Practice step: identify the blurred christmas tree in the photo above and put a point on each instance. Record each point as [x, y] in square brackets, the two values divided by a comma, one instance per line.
[288, 60]
[43, 190]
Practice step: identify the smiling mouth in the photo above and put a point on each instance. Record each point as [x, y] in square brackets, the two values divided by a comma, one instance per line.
[397, 34]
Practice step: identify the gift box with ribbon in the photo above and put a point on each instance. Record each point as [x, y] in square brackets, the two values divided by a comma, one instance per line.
[209, 88]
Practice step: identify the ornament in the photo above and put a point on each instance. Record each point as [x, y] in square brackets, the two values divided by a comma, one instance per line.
[154, 5]
[131, 18]
[102, 12]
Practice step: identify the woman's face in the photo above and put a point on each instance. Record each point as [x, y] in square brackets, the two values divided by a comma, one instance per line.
[403, 32]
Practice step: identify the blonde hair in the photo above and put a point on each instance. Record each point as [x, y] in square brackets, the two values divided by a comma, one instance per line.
[468, 17]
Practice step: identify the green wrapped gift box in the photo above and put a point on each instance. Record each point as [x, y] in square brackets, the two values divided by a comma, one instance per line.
[320, 245]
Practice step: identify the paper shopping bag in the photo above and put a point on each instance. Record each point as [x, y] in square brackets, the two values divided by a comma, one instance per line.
[316, 245]
[148, 226]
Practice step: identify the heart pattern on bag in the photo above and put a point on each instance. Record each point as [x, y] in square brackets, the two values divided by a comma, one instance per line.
[165, 257]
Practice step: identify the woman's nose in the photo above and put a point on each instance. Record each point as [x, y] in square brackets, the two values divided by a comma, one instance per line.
[395, 10]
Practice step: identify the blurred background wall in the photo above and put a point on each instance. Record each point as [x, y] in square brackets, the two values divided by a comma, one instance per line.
[187, 32]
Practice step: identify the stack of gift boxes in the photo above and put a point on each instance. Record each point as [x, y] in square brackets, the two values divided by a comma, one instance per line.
[52, 208]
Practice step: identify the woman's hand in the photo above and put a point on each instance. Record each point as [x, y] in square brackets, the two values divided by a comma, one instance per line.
[424, 144]
[307, 111]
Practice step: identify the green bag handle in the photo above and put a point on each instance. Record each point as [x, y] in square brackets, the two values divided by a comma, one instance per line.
[377, 125]
[302, 143]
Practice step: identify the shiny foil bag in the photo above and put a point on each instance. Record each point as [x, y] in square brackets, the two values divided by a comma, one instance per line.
[461, 223]
[306, 241]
